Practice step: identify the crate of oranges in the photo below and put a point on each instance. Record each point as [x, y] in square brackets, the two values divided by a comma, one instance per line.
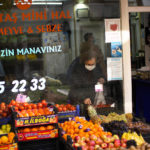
[30, 114]
[7, 142]
[37, 133]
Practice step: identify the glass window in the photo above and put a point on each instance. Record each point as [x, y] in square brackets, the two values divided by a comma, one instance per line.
[57, 51]
[139, 2]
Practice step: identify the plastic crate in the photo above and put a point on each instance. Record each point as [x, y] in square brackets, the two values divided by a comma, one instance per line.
[52, 144]
[67, 145]
[63, 116]
[5, 120]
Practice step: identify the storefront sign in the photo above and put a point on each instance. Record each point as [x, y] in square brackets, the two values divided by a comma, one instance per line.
[112, 30]
[20, 122]
[114, 69]
[116, 49]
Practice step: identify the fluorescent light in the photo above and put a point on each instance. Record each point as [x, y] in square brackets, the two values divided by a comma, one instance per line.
[37, 2]
[46, 3]
[1, 4]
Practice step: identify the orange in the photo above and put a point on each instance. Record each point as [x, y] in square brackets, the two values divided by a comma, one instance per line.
[4, 140]
[76, 130]
[26, 130]
[34, 130]
[49, 127]
[42, 128]
[65, 137]
[11, 136]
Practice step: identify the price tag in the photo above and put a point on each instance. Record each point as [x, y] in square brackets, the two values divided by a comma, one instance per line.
[98, 87]
[21, 98]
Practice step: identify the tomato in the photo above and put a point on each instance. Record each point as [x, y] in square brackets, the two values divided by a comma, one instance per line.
[16, 108]
[3, 104]
[1, 112]
[17, 105]
[64, 109]
[4, 115]
[59, 109]
[44, 103]
[25, 105]
[73, 108]
[6, 109]
[21, 107]
[34, 106]
[13, 102]
[39, 105]
[56, 105]
[3, 107]
[29, 106]
[68, 105]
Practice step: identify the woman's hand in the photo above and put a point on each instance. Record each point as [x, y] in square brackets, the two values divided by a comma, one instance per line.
[101, 80]
[87, 101]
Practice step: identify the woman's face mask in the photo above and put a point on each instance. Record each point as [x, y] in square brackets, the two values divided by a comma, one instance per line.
[90, 67]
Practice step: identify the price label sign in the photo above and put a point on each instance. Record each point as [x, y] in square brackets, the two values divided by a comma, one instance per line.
[21, 86]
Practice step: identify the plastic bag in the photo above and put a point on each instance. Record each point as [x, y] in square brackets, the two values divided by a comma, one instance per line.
[99, 98]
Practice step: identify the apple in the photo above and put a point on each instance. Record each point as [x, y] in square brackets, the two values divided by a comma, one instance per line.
[111, 145]
[75, 145]
[123, 140]
[124, 145]
[85, 147]
[107, 140]
[104, 137]
[77, 138]
[82, 143]
[97, 146]
[99, 141]
[112, 139]
[117, 143]
[104, 145]
[92, 143]
[83, 139]
[91, 148]
[116, 137]
[87, 140]
[93, 137]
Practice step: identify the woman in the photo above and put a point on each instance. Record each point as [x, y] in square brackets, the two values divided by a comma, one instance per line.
[84, 76]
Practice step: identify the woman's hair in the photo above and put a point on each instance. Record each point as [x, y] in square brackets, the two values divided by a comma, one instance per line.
[87, 52]
[87, 35]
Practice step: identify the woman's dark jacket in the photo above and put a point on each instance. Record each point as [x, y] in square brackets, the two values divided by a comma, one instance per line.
[83, 82]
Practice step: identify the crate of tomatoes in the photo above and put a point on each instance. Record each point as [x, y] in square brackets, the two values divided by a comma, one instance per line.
[30, 114]
[66, 111]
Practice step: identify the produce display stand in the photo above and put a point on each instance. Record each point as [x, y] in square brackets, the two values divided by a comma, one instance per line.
[66, 145]
[38, 139]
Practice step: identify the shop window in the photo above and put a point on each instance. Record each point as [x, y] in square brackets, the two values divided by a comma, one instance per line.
[139, 2]
[41, 41]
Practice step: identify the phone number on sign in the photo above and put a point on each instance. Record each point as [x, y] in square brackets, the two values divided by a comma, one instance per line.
[21, 86]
